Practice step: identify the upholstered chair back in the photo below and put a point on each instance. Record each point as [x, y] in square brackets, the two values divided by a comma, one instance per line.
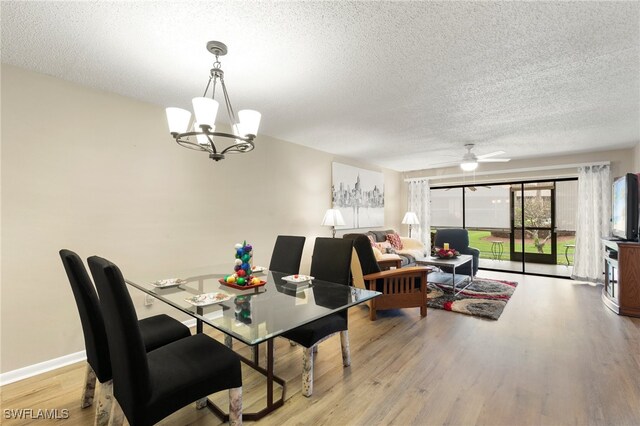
[287, 254]
[93, 329]
[131, 384]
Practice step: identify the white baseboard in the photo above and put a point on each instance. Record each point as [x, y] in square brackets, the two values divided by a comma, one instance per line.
[52, 364]
[41, 367]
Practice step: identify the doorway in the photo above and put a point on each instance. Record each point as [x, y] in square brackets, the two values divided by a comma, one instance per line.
[533, 233]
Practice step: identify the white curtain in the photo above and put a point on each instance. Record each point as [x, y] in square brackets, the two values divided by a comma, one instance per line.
[592, 224]
[420, 203]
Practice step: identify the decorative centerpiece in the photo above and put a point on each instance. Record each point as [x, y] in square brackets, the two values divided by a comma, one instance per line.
[242, 277]
[446, 253]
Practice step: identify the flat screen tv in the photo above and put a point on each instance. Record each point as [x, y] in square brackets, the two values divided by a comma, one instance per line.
[624, 208]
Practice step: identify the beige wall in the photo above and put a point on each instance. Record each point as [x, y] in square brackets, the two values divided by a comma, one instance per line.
[636, 157]
[98, 173]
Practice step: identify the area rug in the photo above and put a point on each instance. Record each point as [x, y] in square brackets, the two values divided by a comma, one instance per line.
[484, 298]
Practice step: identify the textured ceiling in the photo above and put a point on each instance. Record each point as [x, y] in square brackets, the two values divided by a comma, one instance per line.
[403, 85]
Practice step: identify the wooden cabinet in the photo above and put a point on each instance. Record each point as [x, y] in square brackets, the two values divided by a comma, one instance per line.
[621, 291]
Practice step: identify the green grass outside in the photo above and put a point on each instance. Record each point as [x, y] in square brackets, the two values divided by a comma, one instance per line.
[482, 240]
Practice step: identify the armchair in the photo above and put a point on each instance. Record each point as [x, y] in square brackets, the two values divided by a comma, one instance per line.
[401, 288]
[458, 238]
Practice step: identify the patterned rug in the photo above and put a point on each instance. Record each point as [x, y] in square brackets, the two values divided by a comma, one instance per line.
[484, 298]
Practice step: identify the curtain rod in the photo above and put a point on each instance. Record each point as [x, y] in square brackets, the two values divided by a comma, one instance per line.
[499, 172]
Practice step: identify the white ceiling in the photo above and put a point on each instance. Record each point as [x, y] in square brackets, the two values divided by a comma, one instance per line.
[402, 85]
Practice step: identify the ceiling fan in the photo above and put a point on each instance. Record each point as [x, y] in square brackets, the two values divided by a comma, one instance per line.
[469, 161]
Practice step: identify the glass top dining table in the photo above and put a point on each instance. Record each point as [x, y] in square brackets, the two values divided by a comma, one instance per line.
[254, 315]
[258, 314]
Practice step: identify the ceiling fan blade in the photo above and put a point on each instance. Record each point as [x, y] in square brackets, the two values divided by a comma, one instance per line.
[447, 164]
[493, 160]
[491, 154]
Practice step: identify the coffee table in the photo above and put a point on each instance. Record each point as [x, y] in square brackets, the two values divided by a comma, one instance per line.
[453, 263]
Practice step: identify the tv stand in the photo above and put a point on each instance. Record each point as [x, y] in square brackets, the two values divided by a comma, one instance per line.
[621, 291]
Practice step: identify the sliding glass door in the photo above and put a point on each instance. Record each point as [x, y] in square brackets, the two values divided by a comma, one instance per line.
[517, 226]
[532, 223]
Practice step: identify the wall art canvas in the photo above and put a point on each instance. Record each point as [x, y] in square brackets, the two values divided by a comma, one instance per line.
[359, 195]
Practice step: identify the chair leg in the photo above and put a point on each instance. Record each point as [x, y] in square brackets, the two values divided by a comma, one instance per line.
[201, 403]
[117, 415]
[307, 371]
[372, 310]
[344, 343]
[89, 390]
[105, 404]
[235, 406]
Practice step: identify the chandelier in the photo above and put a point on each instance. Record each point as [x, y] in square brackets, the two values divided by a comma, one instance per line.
[201, 135]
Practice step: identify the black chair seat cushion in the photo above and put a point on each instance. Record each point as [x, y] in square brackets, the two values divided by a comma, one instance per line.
[182, 371]
[309, 334]
[159, 329]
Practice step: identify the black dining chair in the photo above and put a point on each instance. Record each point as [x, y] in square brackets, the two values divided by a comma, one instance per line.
[156, 331]
[331, 261]
[287, 254]
[148, 386]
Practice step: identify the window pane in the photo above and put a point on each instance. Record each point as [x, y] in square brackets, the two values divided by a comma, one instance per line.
[487, 207]
[446, 207]
[566, 202]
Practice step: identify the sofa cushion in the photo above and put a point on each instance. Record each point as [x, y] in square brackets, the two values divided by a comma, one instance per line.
[381, 236]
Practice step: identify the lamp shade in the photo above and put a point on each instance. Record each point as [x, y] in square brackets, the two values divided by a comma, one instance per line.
[249, 121]
[410, 218]
[205, 110]
[178, 120]
[333, 217]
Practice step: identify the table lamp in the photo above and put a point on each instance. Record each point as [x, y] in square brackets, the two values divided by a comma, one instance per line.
[333, 218]
[410, 218]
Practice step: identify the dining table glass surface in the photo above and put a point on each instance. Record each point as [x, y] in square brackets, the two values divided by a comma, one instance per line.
[257, 314]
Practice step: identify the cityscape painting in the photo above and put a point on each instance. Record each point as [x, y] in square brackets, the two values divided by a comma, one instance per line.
[359, 195]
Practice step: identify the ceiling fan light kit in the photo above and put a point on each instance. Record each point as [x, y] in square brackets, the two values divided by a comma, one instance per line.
[470, 161]
[468, 165]
[200, 134]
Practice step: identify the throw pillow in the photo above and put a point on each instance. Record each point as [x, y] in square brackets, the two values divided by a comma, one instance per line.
[383, 246]
[395, 241]
[371, 240]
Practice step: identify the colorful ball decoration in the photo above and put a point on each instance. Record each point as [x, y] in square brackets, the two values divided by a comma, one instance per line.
[242, 268]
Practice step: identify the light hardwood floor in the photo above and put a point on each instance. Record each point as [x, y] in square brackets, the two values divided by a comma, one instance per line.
[556, 356]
